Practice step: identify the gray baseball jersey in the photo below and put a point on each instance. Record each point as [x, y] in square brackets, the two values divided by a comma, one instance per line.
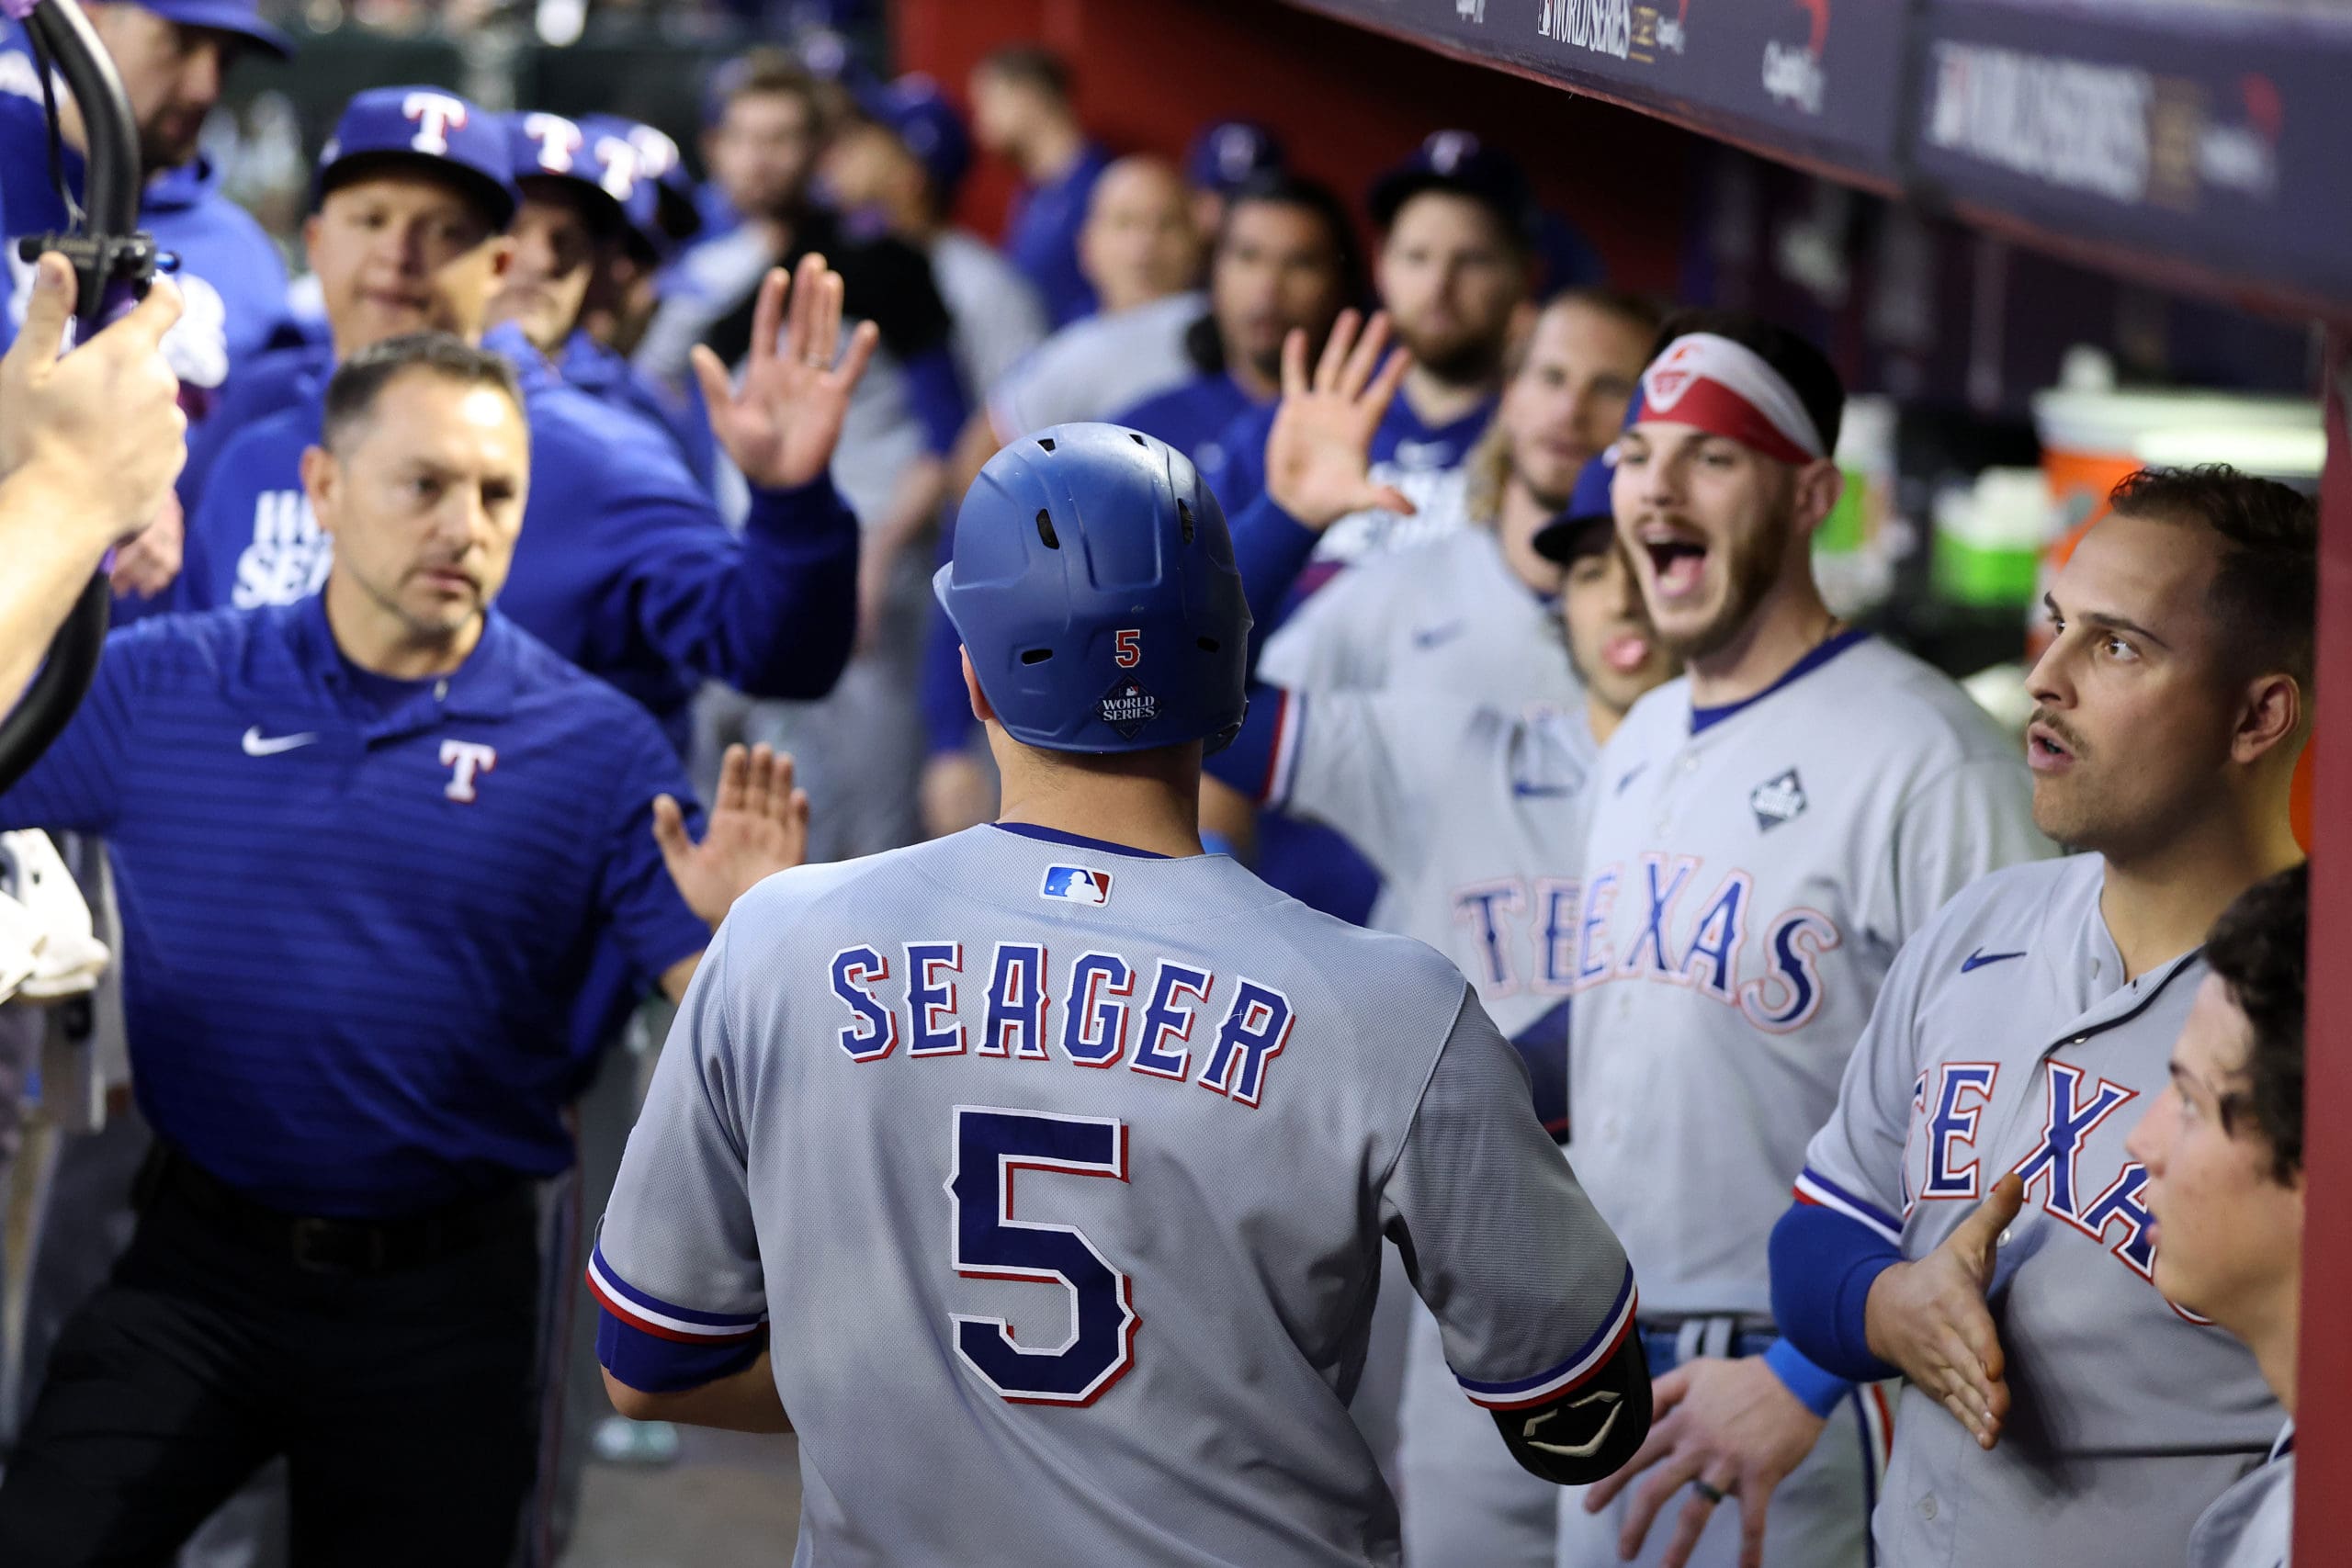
[1445, 615]
[1749, 875]
[2253, 1524]
[2006, 1038]
[998, 317]
[1095, 366]
[1477, 820]
[1439, 498]
[1216, 1101]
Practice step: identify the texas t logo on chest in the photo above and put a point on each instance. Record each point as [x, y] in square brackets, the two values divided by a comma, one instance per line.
[466, 760]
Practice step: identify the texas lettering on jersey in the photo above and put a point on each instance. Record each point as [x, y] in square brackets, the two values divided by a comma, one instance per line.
[909, 992]
[1947, 1109]
[1687, 938]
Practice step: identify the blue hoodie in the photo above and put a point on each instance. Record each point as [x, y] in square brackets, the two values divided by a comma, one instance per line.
[612, 380]
[231, 275]
[623, 566]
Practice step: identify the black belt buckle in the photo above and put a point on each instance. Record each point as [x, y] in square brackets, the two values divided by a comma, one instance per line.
[331, 1246]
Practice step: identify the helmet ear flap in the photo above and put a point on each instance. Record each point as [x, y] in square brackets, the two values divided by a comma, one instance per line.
[1094, 589]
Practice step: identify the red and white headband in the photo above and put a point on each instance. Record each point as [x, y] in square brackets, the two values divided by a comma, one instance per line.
[1727, 389]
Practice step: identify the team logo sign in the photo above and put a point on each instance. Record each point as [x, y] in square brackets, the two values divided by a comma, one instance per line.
[1126, 707]
[1778, 801]
[1076, 884]
[1664, 383]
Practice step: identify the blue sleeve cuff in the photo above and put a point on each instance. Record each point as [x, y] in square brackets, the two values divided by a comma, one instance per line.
[1824, 1264]
[802, 514]
[654, 1365]
[1815, 1390]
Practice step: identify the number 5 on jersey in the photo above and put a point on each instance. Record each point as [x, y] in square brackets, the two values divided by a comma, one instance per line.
[991, 1145]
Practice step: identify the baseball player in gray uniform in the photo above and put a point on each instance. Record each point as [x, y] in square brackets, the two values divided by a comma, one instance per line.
[1458, 614]
[1478, 825]
[1766, 833]
[2224, 1147]
[1970, 1215]
[1145, 1361]
[1465, 619]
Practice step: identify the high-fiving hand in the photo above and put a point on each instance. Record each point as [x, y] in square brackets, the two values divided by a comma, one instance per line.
[781, 425]
[1318, 455]
[1722, 1430]
[1929, 1318]
[759, 826]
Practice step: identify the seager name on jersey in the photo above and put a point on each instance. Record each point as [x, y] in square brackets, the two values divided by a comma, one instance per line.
[1569, 932]
[909, 992]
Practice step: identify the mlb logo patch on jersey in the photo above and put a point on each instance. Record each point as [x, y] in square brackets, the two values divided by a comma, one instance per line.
[1777, 801]
[1076, 884]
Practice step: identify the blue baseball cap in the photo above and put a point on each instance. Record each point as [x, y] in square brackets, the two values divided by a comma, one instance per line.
[913, 109]
[643, 169]
[431, 129]
[1458, 162]
[237, 16]
[1588, 523]
[552, 148]
[1226, 155]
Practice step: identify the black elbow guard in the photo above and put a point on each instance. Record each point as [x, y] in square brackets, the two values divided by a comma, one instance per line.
[1589, 1434]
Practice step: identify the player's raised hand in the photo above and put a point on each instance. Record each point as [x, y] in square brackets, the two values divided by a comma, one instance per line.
[1728, 1431]
[1929, 1318]
[1318, 455]
[759, 826]
[781, 425]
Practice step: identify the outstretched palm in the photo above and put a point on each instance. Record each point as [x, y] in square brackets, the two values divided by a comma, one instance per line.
[1318, 455]
[782, 423]
[758, 826]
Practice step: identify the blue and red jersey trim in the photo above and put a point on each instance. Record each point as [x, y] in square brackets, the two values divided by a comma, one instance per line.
[1814, 1187]
[1565, 1378]
[651, 1315]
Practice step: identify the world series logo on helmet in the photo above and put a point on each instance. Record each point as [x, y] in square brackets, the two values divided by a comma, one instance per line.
[1126, 707]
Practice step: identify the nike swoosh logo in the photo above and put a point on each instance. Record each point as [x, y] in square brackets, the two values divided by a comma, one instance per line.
[1433, 636]
[257, 745]
[1526, 791]
[1978, 959]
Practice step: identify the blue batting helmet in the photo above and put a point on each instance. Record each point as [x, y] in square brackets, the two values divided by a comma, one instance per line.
[1094, 589]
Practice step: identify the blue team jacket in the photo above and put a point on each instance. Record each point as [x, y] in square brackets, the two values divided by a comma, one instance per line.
[623, 567]
[612, 380]
[229, 272]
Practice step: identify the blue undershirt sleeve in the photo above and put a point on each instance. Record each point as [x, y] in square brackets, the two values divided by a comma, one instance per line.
[1272, 547]
[1823, 1267]
[936, 393]
[1246, 765]
[771, 616]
